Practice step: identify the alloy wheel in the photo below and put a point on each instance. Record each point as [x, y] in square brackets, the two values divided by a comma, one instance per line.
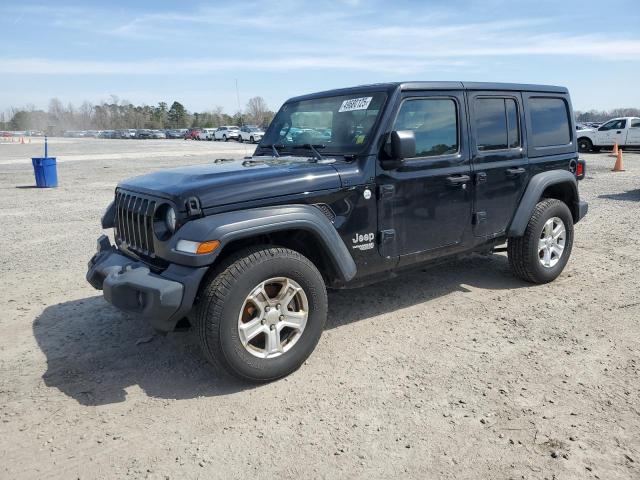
[552, 241]
[273, 317]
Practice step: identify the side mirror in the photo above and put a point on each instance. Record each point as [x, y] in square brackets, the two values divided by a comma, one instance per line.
[402, 145]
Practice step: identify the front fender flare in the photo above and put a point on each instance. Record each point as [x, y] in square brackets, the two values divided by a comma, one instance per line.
[230, 226]
[537, 185]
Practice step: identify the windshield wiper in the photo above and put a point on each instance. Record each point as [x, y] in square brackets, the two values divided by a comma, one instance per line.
[313, 148]
[274, 148]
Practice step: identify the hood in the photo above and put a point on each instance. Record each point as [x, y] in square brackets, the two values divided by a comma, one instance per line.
[233, 181]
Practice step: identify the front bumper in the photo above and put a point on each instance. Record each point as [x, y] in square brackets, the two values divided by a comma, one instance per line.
[162, 298]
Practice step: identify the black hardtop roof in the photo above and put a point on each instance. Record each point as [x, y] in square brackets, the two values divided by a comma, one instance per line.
[432, 85]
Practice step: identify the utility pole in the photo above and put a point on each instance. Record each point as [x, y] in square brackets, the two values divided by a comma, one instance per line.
[238, 99]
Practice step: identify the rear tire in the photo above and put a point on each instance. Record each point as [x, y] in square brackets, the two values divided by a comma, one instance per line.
[251, 140]
[541, 254]
[224, 137]
[226, 305]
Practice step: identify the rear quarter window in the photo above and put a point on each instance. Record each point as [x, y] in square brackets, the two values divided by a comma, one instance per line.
[550, 124]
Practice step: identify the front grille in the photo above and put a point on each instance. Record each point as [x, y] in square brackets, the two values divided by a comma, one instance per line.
[134, 222]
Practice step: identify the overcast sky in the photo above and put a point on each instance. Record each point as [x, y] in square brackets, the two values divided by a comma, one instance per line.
[151, 51]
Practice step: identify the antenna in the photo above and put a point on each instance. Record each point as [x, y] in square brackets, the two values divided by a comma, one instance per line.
[238, 99]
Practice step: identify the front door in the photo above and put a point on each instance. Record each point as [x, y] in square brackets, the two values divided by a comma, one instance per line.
[425, 204]
[612, 132]
[499, 161]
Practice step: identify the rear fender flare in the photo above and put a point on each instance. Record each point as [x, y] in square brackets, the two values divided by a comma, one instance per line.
[532, 195]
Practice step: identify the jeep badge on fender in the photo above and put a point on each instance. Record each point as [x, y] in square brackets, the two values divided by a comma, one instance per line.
[344, 188]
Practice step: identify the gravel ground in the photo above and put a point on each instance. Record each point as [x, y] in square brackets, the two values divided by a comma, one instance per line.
[459, 372]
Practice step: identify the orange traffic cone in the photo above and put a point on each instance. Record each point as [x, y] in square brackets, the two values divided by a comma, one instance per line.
[614, 153]
[619, 166]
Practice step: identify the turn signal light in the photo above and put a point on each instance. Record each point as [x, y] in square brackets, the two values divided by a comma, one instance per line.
[198, 248]
[207, 247]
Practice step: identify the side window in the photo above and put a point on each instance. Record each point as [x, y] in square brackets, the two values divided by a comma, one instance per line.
[607, 126]
[635, 123]
[550, 123]
[434, 122]
[497, 125]
[513, 122]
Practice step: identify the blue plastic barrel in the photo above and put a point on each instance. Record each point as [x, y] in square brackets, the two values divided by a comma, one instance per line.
[46, 172]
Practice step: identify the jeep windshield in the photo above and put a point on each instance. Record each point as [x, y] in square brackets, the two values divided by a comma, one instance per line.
[339, 124]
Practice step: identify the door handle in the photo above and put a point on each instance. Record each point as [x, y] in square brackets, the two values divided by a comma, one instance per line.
[619, 131]
[458, 179]
[514, 172]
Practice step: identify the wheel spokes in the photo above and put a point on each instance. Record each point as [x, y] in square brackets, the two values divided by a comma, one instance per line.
[558, 231]
[295, 320]
[250, 330]
[259, 298]
[287, 294]
[272, 344]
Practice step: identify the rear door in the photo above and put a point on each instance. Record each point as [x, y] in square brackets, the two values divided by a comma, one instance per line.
[499, 160]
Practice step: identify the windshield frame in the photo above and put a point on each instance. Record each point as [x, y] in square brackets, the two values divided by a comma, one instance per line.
[289, 149]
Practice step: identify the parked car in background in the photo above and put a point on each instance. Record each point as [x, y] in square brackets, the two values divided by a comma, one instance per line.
[143, 134]
[121, 134]
[175, 132]
[107, 134]
[227, 132]
[625, 131]
[192, 134]
[206, 133]
[158, 134]
[250, 133]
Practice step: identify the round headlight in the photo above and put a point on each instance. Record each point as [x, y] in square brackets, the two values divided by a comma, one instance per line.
[170, 219]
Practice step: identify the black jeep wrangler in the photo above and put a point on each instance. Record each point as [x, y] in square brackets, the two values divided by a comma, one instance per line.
[346, 187]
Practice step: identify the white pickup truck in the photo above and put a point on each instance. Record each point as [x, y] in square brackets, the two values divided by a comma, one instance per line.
[625, 131]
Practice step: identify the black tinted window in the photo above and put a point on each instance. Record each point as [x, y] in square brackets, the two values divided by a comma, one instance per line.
[497, 124]
[549, 122]
[513, 122]
[434, 122]
[635, 123]
[491, 124]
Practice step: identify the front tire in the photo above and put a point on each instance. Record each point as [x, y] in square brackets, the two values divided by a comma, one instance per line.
[224, 137]
[541, 254]
[260, 317]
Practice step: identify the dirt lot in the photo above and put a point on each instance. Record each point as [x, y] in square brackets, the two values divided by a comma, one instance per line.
[458, 372]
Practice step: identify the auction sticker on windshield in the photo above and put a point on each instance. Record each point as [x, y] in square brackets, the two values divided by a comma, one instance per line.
[352, 104]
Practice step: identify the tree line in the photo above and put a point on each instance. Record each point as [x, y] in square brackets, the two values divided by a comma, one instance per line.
[602, 115]
[118, 114]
